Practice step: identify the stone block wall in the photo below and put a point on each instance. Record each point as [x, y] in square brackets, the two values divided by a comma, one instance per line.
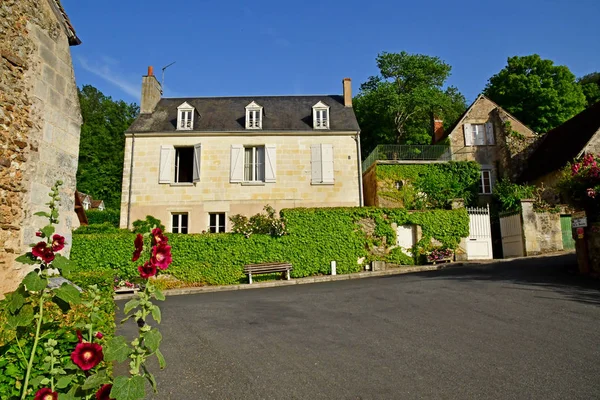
[542, 231]
[39, 127]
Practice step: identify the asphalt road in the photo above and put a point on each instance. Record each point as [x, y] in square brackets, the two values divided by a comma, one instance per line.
[517, 330]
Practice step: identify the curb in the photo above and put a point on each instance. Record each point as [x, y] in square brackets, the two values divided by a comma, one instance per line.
[300, 281]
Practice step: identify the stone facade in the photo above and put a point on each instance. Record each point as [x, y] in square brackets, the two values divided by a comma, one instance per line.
[215, 193]
[541, 230]
[39, 125]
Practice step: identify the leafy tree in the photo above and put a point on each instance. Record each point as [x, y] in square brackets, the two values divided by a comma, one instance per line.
[396, 106]
[540, 94]
[590, 84]
[102, 144]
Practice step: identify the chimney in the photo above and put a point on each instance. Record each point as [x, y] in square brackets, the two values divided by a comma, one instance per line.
[347, 92]
[151, 92]
[438, 129]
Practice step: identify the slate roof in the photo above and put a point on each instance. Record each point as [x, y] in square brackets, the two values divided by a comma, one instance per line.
[562, 144]
[227, 114]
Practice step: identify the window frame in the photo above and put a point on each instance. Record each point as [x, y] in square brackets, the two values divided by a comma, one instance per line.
[185, 117]
[254, 116]
[217, 227]
[321, 116]
[482, 182]
[177, 165]
[255, 163]
[180, 223]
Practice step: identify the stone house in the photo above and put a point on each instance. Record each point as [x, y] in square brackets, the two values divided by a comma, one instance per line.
[194, 162]
[492, 137]
[89, 203]
[39, 125]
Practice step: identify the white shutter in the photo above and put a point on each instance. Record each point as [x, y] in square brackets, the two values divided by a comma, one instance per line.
[165, 173]
[468, 134]
[489, 133]
[237, 163]
[197, 159]
[327, 162]
[315, 164]
[270, 162]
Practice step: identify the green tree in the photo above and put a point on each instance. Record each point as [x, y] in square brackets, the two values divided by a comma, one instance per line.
[540, 94]
[102, 143]
[396, 106]
[590, 84]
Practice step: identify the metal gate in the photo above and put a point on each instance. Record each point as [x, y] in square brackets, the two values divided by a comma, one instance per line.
[511, 228]
[567, 234]
[479, 242]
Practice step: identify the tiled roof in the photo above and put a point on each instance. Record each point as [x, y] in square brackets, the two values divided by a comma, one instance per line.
[73, 39]
[227, 114]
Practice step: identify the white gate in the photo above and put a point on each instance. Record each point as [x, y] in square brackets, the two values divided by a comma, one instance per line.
[511, 228]
[479, 242]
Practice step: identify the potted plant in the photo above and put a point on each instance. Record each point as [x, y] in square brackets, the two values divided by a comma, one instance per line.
[440, 255]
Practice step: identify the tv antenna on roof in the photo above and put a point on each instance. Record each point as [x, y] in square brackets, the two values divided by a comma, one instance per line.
[162, 84]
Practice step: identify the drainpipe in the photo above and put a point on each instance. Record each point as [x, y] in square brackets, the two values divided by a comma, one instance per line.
[360, 185]
[130, 180]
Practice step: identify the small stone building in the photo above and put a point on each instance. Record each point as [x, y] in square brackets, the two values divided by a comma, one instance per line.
[40, 122]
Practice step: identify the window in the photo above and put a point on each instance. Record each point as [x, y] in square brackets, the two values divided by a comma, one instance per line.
[321, 116]
[485, 186]
[254, 164]
[185, 117]
[216, 222]
[321, 164]
[479, 134]
[184, 164]
[253, 116]
[179, 222]
[179, 164]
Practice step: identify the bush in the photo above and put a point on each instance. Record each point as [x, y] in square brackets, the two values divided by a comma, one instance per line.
[262, 224]
[509, 195]
[146, 225]
[109, 216]
[104, 227]
[397, 256]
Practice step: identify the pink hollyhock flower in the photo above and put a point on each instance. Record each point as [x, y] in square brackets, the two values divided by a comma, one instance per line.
[45, 394]
[39, 249]
[104, 392]
[591, 193]
[58, 242]
[139, 246]
[158, 238]
[87, 355]
[161, 256]
[99, 335]
[147, 270]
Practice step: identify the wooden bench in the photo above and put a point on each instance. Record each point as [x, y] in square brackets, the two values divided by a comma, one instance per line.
[267, 268]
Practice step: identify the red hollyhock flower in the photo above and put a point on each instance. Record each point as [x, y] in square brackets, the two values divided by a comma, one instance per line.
[79, 336]
[139, 246]
[38, 234]
[39, 249]
[45, 394]
[161, 256]
[99, 335]
[48, 255]
[87, 355]
[147, 270]
[58, 242]
[158, 238]
[104, 392]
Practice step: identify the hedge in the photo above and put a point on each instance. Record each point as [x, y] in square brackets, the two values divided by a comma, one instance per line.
[99, 217]
[315, 238]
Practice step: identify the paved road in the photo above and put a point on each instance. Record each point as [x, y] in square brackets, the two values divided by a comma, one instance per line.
[516, 330]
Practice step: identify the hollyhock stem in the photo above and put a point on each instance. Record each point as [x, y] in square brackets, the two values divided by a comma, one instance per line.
[35, 343]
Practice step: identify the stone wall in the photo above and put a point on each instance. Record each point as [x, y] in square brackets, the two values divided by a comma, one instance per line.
[542, 231]
[39, 126]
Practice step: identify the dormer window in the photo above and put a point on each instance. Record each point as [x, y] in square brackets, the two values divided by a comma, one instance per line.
[321, 116]
[185, 117]
[253, 116]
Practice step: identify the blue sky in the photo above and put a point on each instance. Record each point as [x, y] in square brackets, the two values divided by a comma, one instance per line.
[267, 47]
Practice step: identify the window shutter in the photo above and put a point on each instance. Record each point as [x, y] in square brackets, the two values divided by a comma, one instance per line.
[237, 163]
[327, 161]
[468, 134]
[270, 162]
[197, 159]
[165, 173]
[489, 133]
[316, 165]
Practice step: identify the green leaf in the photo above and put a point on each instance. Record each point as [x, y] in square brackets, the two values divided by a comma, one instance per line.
[128, 389]
[27, 258]
[152, 339]
[148, 375]
[71, 395]
[15, 301]
[34, 283]
[25, 316]
[63, 305]
[161, 359]
[158, 294]
[95, 380]
[37, 381]
[42, 214]
[63, 264]
[156, 313]
[63, 382]
[130, 305]
[48, 230]
[68, 293]
[117, 349]
[44, 381]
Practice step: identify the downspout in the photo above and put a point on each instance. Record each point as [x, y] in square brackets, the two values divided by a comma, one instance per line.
[130, 180]
[360, 184]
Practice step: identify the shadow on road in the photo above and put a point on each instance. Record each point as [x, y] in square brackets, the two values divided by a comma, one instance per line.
[556, 273]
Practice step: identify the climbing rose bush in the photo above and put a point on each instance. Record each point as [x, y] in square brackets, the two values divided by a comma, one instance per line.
[580, 183]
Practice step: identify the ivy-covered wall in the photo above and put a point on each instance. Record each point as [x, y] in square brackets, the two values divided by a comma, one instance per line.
[422, 186]
[315, 237]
